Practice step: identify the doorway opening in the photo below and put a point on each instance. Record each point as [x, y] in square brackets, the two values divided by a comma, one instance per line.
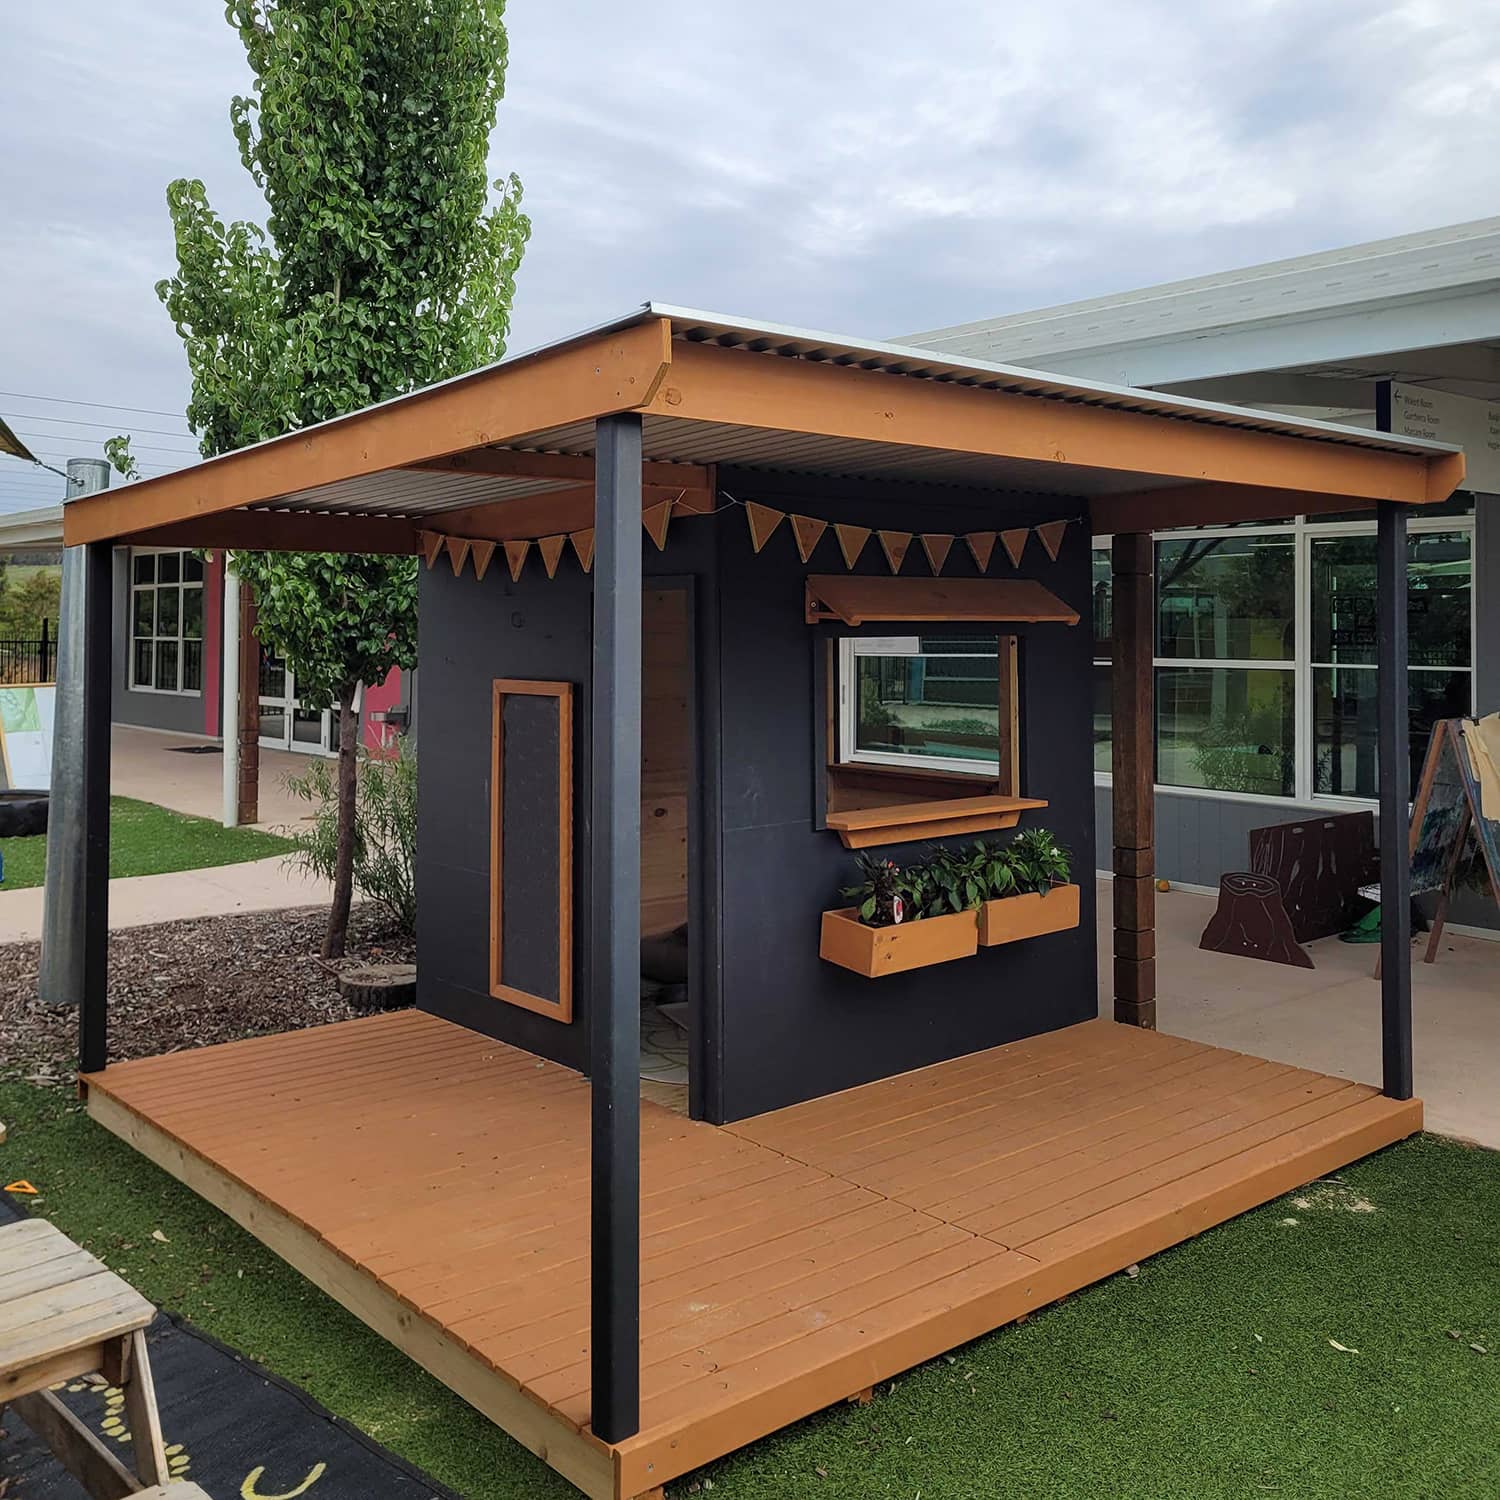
[667, 801]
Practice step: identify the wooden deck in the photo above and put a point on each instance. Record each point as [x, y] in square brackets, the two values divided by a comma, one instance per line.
[436, 1183]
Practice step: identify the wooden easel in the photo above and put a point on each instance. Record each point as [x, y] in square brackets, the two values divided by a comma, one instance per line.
[1445, 812]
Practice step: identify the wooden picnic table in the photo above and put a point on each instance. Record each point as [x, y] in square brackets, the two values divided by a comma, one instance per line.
[63, 1314]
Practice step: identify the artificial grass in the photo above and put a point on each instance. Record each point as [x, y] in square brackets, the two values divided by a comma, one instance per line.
[145, 839]
[1210, 1374]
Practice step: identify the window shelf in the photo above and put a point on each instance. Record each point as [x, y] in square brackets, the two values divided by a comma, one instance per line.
[902, 822]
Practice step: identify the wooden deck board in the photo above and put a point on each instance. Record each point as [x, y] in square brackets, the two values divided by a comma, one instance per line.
[436, 1182]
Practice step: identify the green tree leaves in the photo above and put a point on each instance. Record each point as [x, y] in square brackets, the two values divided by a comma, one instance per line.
[388, 261]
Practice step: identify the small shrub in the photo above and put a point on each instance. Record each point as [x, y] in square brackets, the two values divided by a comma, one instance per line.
[385, 829]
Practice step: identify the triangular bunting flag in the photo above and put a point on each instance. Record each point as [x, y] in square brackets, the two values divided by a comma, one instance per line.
[481, 552]
[936, 546]
[583, 545]
[1051, 534]
[809, 531]
[655, 519]
[432, 544]
[981, 544]
[515, 555]
[1014, 543]
[551, 548]
[458, 550]
[852, 541]
[763, 521]
[895, 544]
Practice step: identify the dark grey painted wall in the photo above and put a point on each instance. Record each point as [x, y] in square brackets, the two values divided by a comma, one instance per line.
[776, 1023]
[473, 632]
[794, 1025]
[180, 713]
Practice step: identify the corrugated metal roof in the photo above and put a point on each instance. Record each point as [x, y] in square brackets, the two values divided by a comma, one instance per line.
[40, 529]
[410, 492]
[1409, 266]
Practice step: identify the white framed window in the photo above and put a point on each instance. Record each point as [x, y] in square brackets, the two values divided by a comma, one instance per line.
[166, 621]
[928, 701]
[1265, 654]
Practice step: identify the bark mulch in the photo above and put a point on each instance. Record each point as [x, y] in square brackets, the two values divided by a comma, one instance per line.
[190, 984]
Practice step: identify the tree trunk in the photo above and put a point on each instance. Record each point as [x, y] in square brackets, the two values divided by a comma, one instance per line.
[343, 874]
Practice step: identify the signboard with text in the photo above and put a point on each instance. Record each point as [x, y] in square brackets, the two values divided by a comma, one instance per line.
[1473, 425]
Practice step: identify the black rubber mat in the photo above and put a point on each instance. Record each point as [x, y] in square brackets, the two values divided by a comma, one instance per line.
[233, 1428]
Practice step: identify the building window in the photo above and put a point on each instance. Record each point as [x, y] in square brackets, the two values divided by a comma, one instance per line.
[166, 622]
[929, 700]
[1265, 654]
[1229, 601]
[1344, 673]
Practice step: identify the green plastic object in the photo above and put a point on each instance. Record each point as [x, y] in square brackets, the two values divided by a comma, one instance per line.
[1366, 930]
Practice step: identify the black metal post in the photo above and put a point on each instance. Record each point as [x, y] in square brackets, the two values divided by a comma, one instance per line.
[1395, 803]
[615, 898]
[93, 1015]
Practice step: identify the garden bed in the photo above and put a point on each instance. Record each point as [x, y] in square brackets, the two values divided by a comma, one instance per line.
[192, 983]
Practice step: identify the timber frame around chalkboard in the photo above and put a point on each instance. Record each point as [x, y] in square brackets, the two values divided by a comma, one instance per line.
[560, 1009]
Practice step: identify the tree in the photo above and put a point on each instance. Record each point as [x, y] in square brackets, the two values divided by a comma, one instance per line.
[386, 264]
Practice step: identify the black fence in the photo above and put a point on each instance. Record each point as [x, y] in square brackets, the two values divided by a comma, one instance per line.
[29, 661]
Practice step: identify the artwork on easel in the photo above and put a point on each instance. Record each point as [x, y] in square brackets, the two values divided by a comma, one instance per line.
[1454, 824]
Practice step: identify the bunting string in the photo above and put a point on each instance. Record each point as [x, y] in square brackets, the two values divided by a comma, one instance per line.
[764, 522]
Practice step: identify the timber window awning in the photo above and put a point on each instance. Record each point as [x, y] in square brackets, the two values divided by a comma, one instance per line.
[508, 451]
[858, 600]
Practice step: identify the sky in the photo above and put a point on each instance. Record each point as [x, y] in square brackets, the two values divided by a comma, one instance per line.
[867, 168]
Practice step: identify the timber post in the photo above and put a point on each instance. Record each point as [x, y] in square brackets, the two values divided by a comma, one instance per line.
[615, 901]
[1395, 802]
[1134, 791]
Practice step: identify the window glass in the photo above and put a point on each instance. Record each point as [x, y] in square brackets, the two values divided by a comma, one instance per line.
[1439, 571]
[1229, 729]
[166, 610]
[930, 696]
[1230, 598]
[1103, 614]
[1103, 734]
[1346, 724]
[166, 666]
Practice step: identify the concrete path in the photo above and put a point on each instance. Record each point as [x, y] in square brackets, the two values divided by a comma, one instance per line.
[1328, 1018]
[157, 767]
[140, 900]
[151, 766]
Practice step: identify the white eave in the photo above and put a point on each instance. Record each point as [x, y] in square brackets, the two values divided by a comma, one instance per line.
[1334, 311]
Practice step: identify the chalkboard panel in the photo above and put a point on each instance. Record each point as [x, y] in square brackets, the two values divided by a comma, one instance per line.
[531, 847]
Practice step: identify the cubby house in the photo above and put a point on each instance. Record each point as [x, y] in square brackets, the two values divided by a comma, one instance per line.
[708, 608]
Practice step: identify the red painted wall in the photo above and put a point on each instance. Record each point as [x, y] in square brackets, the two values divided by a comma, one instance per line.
[380, 738]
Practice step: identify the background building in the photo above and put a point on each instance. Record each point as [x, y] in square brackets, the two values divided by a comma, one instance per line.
[1265, 677]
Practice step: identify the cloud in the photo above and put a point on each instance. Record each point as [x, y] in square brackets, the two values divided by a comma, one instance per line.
[868, 167]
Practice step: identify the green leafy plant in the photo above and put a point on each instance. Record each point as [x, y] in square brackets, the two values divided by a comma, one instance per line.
[388, 262]
[951, 879]
[1037, 861]
[385, 830]
[876, 895]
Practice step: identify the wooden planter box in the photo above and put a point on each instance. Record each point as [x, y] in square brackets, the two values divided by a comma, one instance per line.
[873, 951]
[1015, 917]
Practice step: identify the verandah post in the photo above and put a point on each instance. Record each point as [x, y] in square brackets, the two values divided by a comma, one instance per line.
[615, 901]
[1133, 763]
[1395, 801]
